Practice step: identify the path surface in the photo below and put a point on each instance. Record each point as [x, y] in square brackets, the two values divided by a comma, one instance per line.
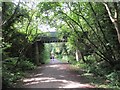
[55, 75]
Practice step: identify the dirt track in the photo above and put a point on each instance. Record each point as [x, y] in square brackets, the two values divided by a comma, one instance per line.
[54, 75]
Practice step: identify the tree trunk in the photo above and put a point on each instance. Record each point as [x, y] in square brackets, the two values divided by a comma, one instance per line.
[115, 19]
[77, 55]
[117, 27]
[83, 57]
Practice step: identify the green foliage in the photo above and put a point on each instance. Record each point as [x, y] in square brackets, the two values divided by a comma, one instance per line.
[10, 63]
[26, 65]
[114, 78]
[23, 64]
[9, 78]
[11, 75]
[71, 59]
[87, 27]
[44, 54]
[90, 59]
[102, 74]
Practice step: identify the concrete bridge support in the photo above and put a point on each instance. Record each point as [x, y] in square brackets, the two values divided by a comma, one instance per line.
[39, 53]
[36, 53]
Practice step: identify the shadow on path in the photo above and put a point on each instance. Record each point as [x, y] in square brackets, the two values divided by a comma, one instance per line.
[55, 75]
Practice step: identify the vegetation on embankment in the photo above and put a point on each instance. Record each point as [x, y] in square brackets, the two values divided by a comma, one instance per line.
[99, 74]
[18, 42]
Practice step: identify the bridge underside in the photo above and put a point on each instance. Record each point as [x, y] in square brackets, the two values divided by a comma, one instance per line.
[50, 40]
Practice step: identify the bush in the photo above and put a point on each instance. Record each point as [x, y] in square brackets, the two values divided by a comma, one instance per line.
[44, 55]
[72, 59]
[103, 70]
[9, 77]
[10, 62]
[59, 56]
[114, 77]
[26, 65]
[90, 59]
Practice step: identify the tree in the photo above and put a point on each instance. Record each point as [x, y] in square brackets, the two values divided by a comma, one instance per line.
[82, 20]
[113, 12]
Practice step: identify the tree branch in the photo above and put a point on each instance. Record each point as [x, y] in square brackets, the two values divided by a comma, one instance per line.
[102, 56]
[116, 11]
[7, 22]
[109, 48]
[109, 11]
[106, 58]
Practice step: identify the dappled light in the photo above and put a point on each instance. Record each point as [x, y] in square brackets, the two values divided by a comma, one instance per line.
[77, 85]
[61, 83]
[33, 82]
[38, 75]
[36, 80]
[55, 76]
[54, 66]
[60, 44]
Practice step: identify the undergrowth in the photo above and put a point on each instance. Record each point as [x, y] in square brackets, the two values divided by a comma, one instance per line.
[11, 73]
[100, 73]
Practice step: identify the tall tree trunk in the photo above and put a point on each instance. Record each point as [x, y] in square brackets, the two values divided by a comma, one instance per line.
[77, 55]
[115, 19]
[117, 27]
[82, 55]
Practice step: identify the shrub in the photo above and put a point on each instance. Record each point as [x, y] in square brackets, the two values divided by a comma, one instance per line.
[9, 77]
[90, 59]
[114, 77]
[26, 65]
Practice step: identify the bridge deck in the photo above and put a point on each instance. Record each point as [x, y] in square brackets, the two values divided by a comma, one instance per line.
[52, 37]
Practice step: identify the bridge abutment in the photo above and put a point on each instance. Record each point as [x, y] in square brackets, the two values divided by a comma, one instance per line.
[36, 53]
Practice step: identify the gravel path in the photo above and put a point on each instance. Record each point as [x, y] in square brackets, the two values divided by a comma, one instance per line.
[54, 75]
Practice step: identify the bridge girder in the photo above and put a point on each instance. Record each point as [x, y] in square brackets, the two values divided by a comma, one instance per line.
[50, 39]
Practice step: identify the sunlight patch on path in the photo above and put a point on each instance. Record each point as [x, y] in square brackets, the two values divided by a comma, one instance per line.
[76, 85]
[36, 80]
[55, 76]
[62, 83]
[54, 61]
